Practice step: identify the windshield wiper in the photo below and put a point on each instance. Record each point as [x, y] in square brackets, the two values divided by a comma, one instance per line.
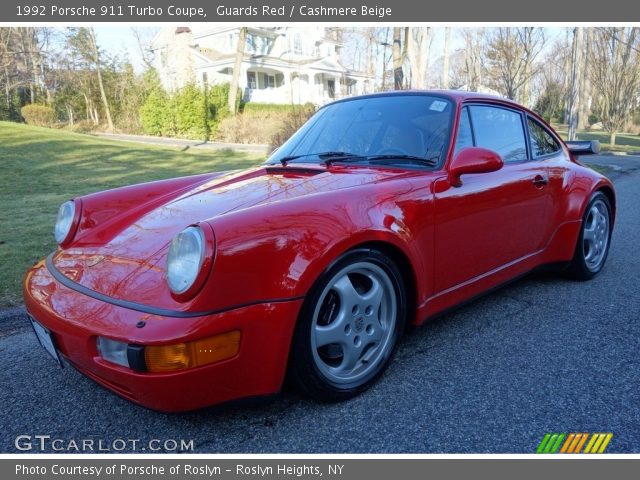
[382, 159]
[330, 155]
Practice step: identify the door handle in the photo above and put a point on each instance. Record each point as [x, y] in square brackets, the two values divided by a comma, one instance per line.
[540, 181]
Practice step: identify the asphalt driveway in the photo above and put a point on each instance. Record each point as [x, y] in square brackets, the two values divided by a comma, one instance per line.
[541, 355]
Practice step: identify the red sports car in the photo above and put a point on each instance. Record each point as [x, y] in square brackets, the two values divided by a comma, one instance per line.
[380, 212]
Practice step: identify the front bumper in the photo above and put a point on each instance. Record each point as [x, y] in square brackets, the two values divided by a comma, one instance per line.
[75, 320]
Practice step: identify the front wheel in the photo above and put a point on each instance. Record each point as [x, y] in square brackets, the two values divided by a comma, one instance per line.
[349, 326]
[594, 239]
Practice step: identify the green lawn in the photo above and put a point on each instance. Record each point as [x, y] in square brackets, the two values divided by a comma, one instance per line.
[624, 142]
[40, 168]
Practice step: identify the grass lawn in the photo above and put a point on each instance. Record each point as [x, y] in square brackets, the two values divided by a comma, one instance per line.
[624, 142]
[40, 168]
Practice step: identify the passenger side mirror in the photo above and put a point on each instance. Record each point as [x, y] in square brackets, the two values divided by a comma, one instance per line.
[473, 160]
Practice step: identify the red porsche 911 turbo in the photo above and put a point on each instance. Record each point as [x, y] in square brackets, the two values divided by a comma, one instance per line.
[380, 212]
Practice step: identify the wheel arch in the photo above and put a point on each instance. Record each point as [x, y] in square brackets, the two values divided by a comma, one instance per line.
[608, 191]
[396, 254]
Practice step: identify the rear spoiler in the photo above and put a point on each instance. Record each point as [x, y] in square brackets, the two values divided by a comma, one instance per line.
[584, 147]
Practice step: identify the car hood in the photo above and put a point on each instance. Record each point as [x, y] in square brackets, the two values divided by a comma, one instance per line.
[131, 265]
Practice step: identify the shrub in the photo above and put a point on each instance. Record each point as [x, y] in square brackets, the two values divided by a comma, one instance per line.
[290, 125]
[81, 126]
[157, 114]
[192, 115]
[274, 107]
[188, 112]
[263, 125]
[218, 98]
[39, 115]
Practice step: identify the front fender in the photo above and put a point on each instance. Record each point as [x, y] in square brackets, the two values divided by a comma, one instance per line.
[277, 251]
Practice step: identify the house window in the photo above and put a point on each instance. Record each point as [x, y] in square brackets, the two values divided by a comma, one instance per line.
[297, 44]
[204, 78]
[270, 80]
[331, 84]
[251, 80]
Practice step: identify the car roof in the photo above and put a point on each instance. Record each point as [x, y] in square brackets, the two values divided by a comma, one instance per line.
[457, 96]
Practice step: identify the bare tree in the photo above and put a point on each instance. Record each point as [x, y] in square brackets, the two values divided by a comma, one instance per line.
[398, 59]
[473, 57]
[96, 59]
[445, 59]
[418, 49]
[511, 53]
[144, 47]
[615, 72]
[235, 78]
[586, 87]
[575, 81]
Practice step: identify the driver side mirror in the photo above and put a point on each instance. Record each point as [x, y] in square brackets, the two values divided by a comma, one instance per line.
[473, 160]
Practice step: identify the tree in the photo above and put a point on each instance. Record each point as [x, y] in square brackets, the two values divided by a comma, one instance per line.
[96, 60]
[399, 54]
[445, 59]
[473, 57]
[575, 81]
[235, 78]
[511, 53]
[83, 44]
[418, 48]
[615, 73]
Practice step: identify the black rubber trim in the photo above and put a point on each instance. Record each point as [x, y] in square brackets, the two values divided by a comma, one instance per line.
[135, 357]
[67, 282]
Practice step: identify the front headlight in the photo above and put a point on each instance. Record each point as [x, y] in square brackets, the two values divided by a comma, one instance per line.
[64, 221]
[185, 259]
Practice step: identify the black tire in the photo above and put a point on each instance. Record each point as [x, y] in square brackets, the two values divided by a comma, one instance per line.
[582, 266]
[320, 370]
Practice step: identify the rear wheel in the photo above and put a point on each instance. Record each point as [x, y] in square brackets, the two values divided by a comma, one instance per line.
[592, 248]
[349, 326]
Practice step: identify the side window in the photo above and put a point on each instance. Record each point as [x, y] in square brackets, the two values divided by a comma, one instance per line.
[465, 136]
[500, 130]
[542, 142]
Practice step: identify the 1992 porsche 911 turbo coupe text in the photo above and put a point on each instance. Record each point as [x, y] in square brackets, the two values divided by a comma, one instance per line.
[380, 212]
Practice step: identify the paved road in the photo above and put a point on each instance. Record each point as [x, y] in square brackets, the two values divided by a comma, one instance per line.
[542, 355]
[184, 143]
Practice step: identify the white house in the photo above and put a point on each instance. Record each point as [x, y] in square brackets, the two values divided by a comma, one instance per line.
[280, 65]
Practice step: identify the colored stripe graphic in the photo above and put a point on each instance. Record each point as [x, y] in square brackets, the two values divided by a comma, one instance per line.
[583, 439]
[543, 443]
[570, 440]
[573, 443]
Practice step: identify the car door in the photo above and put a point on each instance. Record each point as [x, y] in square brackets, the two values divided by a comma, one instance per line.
[493, 219]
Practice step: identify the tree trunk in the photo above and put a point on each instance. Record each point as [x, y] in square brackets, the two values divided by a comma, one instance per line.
[574, 83]
[612, 139]
[586, 90]
[235, 79]
[70, 114]
[445, 60]
[398, 74]
[103, 94]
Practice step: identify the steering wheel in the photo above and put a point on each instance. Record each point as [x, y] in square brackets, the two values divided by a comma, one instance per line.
[392, 151]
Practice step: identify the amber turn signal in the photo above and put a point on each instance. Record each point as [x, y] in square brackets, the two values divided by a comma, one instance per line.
[168, 358]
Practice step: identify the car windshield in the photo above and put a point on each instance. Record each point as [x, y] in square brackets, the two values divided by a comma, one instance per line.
[396, 129]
